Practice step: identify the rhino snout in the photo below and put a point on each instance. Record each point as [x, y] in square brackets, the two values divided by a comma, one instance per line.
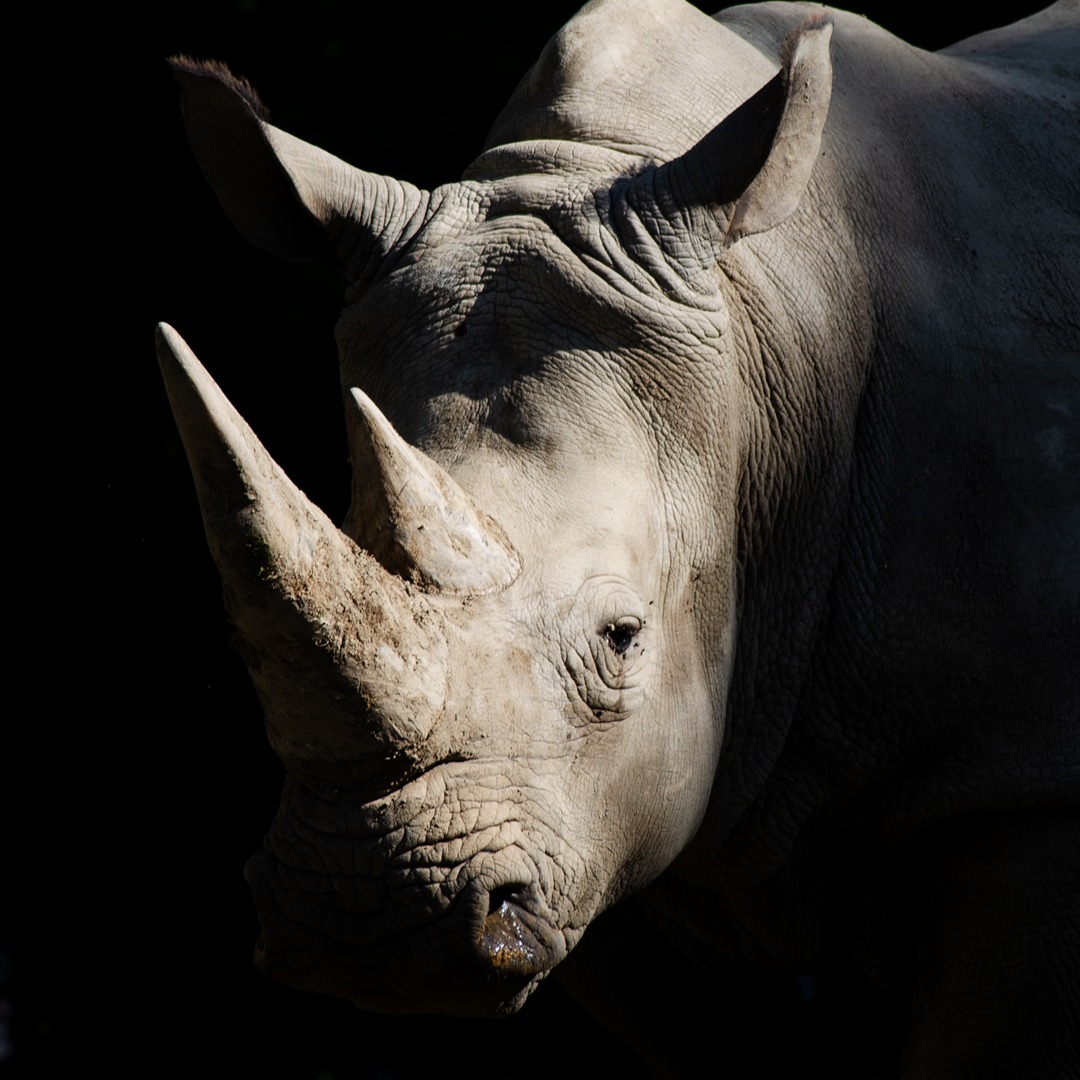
[475, 948]
[517, 938]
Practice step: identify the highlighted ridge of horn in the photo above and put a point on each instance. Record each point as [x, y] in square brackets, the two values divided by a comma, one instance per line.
[414, 517]
[350, 667]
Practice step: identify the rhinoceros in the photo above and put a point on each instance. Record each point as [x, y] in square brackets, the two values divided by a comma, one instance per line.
[714, 541]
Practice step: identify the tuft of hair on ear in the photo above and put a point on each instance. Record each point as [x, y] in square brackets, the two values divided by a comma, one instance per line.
[817, 21]
[215, 69]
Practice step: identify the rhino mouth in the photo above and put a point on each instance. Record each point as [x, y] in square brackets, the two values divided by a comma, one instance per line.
[481, 956]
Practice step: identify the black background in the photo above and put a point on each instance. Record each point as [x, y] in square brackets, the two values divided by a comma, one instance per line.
[136, 776]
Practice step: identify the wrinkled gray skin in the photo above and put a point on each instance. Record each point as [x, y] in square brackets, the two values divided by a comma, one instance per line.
[738, 569]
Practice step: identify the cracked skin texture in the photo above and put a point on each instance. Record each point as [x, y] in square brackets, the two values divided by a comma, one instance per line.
[788, 653]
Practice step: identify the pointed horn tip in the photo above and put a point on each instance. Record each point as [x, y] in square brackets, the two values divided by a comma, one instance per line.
[198, 404]
[182, 371]
[363, 403]
[172, 349]
[162, 332]
[372, 417]
[370, 412]
[464, 550]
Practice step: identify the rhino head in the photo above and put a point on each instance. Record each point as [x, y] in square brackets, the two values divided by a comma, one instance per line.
[499, 688]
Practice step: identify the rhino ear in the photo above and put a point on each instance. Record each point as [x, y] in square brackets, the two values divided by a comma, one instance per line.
[804, 89]
[750, 172]
[285, 195]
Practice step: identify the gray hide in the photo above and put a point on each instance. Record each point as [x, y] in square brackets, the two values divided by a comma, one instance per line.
[714, 539]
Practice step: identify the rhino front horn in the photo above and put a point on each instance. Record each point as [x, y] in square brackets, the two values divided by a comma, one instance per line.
[414, 517]
[350, 666]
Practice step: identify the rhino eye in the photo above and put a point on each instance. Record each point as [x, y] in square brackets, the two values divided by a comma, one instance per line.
[620, 635]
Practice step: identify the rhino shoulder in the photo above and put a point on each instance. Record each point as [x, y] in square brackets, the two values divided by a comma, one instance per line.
[1048, 41]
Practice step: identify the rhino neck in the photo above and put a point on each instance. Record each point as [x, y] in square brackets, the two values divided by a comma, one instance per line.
[858, 490]
[801, 326]
[801, 330]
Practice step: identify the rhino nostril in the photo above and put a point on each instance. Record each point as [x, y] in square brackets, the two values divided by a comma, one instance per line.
[508, 940]
[505, 894]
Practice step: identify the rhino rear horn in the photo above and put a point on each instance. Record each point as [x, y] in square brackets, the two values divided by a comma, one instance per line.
[350, 664]
[286, 196]
[414, 517]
